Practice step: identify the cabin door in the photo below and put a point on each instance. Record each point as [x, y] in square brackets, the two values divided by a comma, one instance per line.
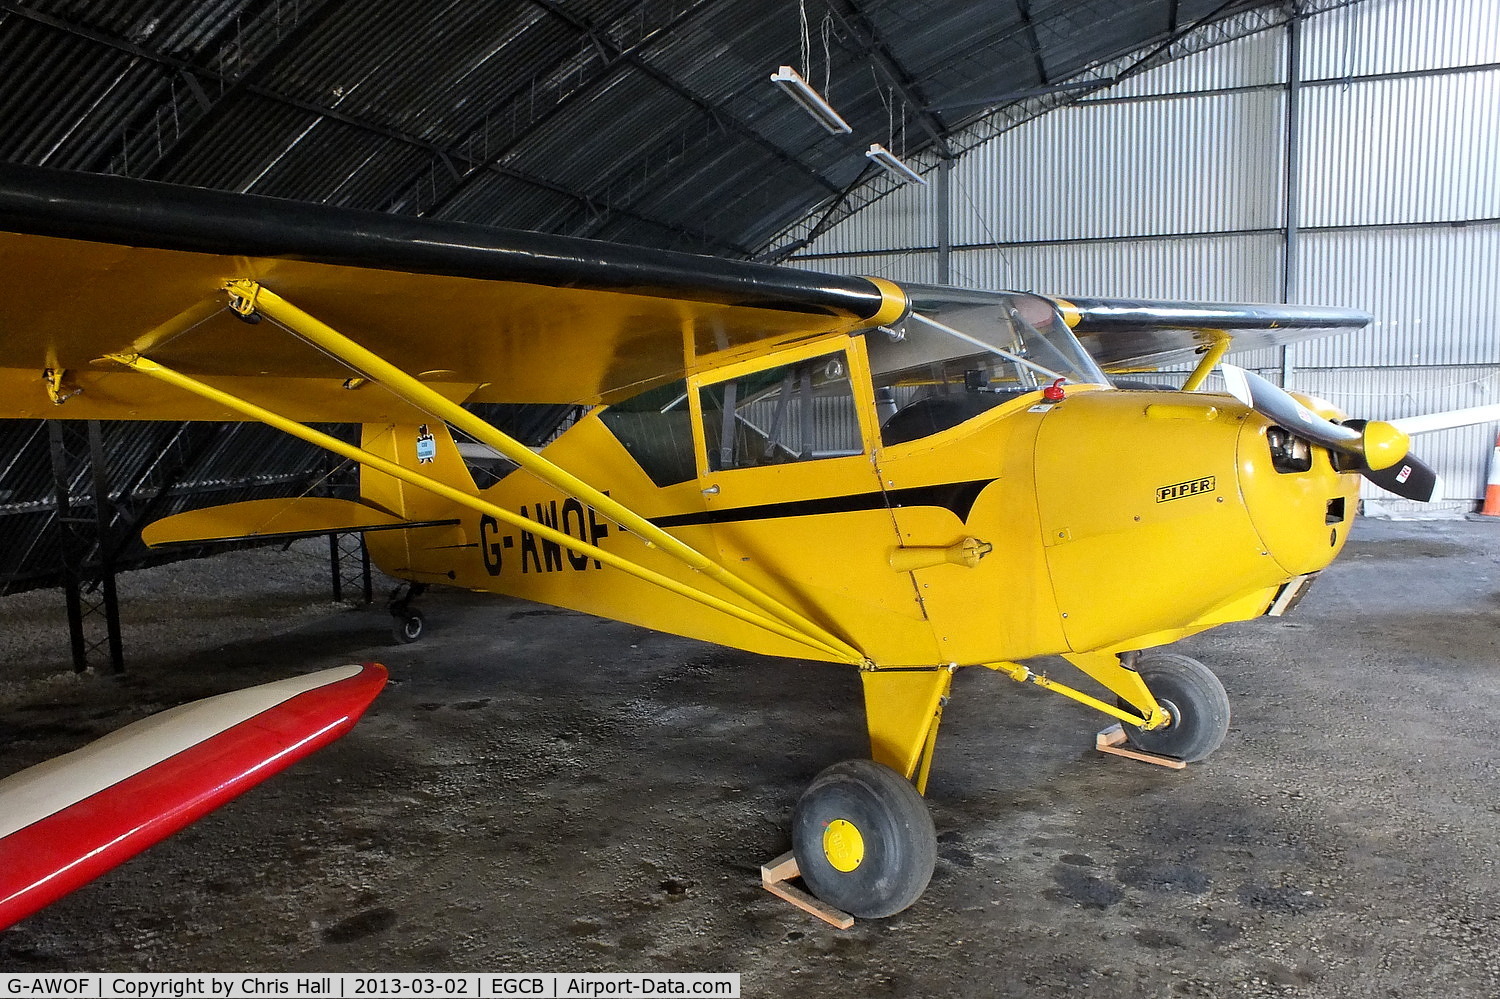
[787, 471]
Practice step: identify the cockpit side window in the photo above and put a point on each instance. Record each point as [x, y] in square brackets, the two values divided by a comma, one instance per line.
[916, 412]
[657, 430]
[796, 412]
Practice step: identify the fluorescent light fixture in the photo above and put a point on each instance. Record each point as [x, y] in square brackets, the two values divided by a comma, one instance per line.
[891, 164]
[789, 80]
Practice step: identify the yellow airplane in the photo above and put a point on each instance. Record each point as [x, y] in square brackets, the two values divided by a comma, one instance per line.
[902, 479]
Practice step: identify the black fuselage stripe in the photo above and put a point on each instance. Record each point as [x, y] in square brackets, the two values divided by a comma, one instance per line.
[957, 497]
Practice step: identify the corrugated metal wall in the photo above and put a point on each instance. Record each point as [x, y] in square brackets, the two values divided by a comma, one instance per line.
[1095, 171]
[1174, 184]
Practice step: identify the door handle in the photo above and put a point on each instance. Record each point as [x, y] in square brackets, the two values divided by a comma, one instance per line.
[711, 491]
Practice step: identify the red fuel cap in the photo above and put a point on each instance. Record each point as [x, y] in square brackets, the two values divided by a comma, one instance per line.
[1054, 392]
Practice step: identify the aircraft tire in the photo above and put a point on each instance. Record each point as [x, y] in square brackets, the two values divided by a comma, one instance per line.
[863, 839]
[1196, 700]
[409, 627]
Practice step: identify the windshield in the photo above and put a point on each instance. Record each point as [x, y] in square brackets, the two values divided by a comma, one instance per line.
[961, 353]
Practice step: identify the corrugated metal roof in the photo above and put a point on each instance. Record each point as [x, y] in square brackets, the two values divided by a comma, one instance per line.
[411, 107]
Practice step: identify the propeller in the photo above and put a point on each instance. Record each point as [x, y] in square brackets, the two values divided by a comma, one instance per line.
[1378, 449]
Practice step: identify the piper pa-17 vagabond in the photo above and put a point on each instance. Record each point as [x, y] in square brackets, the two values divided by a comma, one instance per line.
[904, 480]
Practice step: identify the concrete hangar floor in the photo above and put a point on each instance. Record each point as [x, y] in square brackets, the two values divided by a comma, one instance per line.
[543, 791]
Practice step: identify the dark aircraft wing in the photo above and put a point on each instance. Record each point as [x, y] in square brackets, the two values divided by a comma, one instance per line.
[1126, 333]
[93, 265]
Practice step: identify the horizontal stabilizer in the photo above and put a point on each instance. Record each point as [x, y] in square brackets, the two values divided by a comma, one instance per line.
[304, 517]
[68, 820]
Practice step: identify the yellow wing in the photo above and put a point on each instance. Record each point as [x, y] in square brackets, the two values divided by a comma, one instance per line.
[92, 265]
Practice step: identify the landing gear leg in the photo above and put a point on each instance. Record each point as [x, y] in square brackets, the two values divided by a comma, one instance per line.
[409, 623]
[861, 833]
[1168, 705]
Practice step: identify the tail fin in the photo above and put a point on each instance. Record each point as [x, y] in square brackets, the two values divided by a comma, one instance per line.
[386, 503]
[428, 448]
[425, 555]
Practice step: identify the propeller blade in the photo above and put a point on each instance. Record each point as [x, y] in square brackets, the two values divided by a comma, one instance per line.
[1278, 406]
[1444, 421]
[1410, 478]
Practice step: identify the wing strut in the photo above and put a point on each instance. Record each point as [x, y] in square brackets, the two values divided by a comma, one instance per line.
[249, 297]
[840, 652]
[1219, 343]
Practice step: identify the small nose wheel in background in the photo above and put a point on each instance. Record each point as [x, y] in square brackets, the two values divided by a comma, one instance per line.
[863, 839]
[409, 623]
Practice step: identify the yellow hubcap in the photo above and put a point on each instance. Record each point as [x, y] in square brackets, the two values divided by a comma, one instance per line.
[843, 845]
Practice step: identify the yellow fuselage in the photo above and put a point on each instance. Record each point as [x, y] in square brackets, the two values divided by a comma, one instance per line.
[1114, 520]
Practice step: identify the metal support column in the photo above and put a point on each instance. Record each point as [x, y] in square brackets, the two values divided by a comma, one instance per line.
[944, 194]
[104, 548]
[1292, 184]
[335, 567]
[84, 518]
[68, 541]
[349, 561]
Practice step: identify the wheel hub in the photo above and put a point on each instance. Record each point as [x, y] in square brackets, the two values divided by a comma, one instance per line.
[1172, 715]
[843, 845]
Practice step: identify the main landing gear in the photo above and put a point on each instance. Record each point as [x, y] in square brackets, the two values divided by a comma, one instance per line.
[861, 833]
[408, 621]
[863, 839]
[1169, 705]
[1196, 703]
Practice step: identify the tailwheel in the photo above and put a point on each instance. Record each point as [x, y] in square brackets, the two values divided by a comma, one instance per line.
[1195, 700]
[408, 627]
[409, 622]
[863, 839]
